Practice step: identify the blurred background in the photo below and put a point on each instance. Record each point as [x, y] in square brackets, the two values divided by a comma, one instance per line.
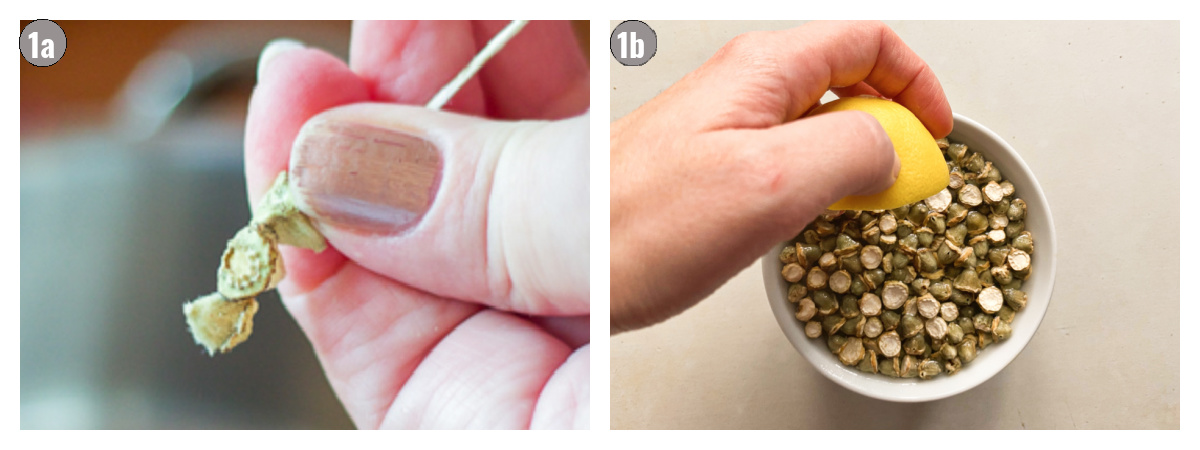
[131, 181]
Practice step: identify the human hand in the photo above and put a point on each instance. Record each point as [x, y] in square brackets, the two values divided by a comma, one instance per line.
[709, 175]
[455, 290]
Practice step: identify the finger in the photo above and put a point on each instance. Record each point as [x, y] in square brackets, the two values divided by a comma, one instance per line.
[855, 90]
[566, 399]
[784, 73]
[487, 373]
[491, 212]
[756, 188]
[409, 61]
[294, 84]
[540, 74]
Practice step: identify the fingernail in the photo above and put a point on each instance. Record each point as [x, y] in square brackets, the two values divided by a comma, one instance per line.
[364, 177]
[275, 48]
[895, 166]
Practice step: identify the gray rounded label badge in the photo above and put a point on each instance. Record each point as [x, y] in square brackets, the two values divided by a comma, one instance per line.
[43, 43]
[633, 43]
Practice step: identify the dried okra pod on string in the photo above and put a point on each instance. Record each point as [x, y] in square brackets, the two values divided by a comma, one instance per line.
[250, 265]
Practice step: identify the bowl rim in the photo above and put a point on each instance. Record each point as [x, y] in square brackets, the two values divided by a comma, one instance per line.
[851, 379]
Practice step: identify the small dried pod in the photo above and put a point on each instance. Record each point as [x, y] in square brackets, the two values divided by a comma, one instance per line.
[887, 239]
[957, 234]
[871, 235]
[811, 237]
[956, 180]
[909, 244]
[870, 304]
[251, 264]
[857, 286]
[1024, 242]
[853, 326]
[949, 311]
[921, 285]
[890, 367]
[940, 201]
[888, 223]
[911, 325]
[1001, 330]
[970, 196]
[929, 369]
[874, 278]
[816, 278]
[927, 261]
[1016, 210]
[943, 143]
[824, 227]
[812, 329]
[796, 292]
[996, 237]
[927, 306]
[985, 339]
[827, 261]
[890, 344]
[826, 302]
[976, 223]
[808, 254]
[793, 272]
[983, 323]
[936, 328]
[835, 342]
[832, 323]
[967, 350]
[953, 365]
[852, 352]
[1006, 314]
[806, 310]
[890, 319]
[871, 257]
[788, 255]
[1014, 228]
[947, 352]
[997, 221]
[998, 256]
[917, 213]
[957, 152]
[1015, 299]
[278, 212]
[894, 295]
[1007, 188]
[1018, 260]
[956, 213]
[869, 363]
[846, 245]
[849, 308]
[873, 327]
[1002, 275]
[992, 192]
[968, 281]
[954, 333]
[840, 281]
[910, 367]
[966, 321]
[219, 324]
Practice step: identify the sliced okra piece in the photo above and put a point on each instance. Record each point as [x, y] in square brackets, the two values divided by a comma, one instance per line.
[954, 333]
[873, 327]
[871, 257]
[840, 281]
[824, 227]
[890, 344]
[1024, 242]
[1014, 228]
[278, 212]
[870, 304]
[812, 329]
[857, 286]
[1016, 210]
[811, 238]
[936, 328]
[926, 260]
[219, 324]
[917, 213]
[940, 290]
[894, 294]
[997, 221]
[890, 319]
[983, 323]
[957, 234]
[846, 245]
[955, 214]
[1001, 330]
[788, 255]
[921, 286]
[996, 237]
[835, 342]
[910, 367]
[967, 323]
[874, 278]
[849, 307]
[985, 339]
[827, 303]
[949, 311]
[251, 263]
[970, 196]
[947, 352]
[968, 281]
[827, 261]
[852, 352]
[940, 201]
[796, 292]
[1018, 260]
[959, 297]
[853, 326]
[967, 350]
[911, 325]
[943, 144]
[890, 367]
[957, 152]
[828, 244]
[792, 272]
[811, 253]
[806, 310]
[871, 235]
[1002, 275]
[904, 229]
[952, 366]
[992, 192]
[816, 278]
[1006, 314]
[927, 306]
[929, 368]
[832, 323]
[976, 223]
[869, 363]
[1015, 299]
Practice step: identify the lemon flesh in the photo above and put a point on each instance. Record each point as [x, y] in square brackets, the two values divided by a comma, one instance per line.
[923, 170]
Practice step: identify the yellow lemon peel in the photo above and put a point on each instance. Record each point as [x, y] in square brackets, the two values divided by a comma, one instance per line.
[923, 170]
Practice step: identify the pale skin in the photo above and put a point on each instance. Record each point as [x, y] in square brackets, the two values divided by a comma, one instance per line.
[459, 322]
[709, 175]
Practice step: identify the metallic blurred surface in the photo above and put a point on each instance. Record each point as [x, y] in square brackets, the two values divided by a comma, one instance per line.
[122, 224]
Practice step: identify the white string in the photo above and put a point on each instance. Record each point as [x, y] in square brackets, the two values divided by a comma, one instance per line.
[493, 46]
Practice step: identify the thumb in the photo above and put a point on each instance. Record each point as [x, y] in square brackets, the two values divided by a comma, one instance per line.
[486, 211]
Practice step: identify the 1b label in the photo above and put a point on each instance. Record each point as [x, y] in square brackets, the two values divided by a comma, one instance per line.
[633, 43]
[43, 43]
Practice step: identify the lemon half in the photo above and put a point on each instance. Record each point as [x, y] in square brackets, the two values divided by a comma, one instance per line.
[923, 170]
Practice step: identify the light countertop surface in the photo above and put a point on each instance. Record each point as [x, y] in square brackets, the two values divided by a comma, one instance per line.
[1093, 108]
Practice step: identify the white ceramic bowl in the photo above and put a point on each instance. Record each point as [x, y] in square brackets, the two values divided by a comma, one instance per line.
[991, 360]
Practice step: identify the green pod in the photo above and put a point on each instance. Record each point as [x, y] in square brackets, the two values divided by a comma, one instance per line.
[1001, 207]
[916, 345]
[974, 163]
[985, 278]
[1001, 330]
[904, 229]
[980, 248]
[1006, 314]
[967, 351]
[926, 261]
[828, 244]
[938, 224]
[900, 212]
[1024, 242]
[957, 152]
[811, 237]
[857, 287]
[918, 212]
[957, 234]
[853, 326]
[985, 339]
[1016, 210]
[796, 292]
[955, 214]
[811, 253]
[869, 364]
[966, 322]
[909, 244]
[824, 227]
[929, 368]
[875, 277]
[911, 325]
[954, 333]
[924, 237]
[945, 255]
[852, 263]
[835, 342]
[959, 298]
[1014, 228]
[910, 367]
[976, 222]
[899, 260]
[788, 255]
[997, 256]
[846, 245]
[968, 281]
[826, 302]
[983, 322]
[888, 367]
[1015, 299]
[940, 290]
[849, 308]
[890, 319]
